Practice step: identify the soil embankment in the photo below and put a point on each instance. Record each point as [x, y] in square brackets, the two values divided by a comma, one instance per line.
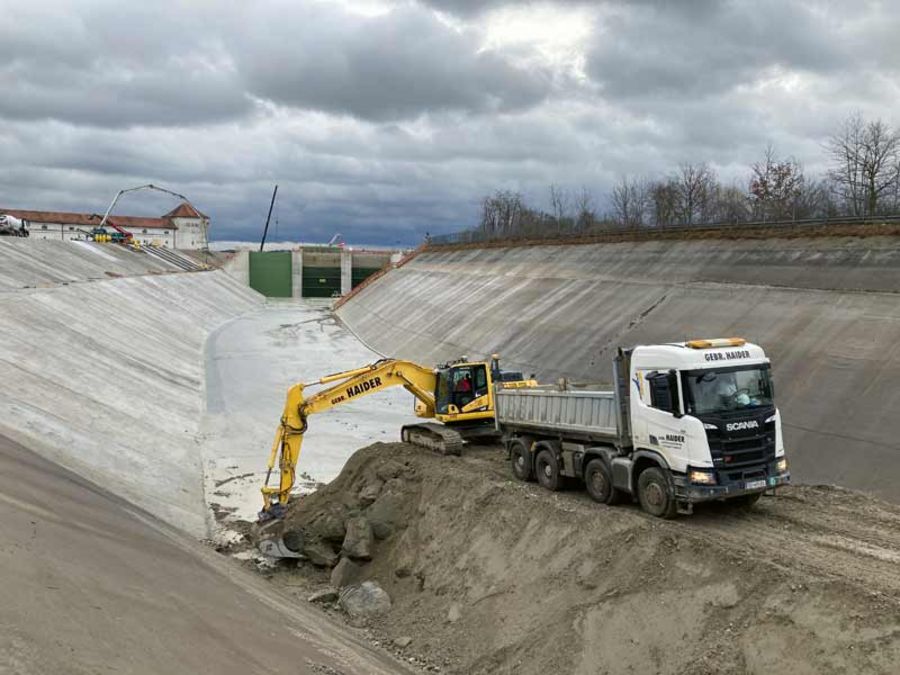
[490, 575]
[826, 310]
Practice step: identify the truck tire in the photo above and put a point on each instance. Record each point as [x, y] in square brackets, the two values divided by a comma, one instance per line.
[520, 460]
[546, 469]
[655, 493]
[598, 482]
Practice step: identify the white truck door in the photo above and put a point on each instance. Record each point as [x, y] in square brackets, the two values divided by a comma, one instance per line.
[654, 424]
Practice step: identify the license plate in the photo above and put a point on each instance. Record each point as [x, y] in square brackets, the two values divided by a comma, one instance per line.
[755, 484]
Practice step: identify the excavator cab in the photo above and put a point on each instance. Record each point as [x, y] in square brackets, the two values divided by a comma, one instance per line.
[459, 385]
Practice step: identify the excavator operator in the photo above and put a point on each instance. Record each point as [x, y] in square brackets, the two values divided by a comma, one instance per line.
[463, 391]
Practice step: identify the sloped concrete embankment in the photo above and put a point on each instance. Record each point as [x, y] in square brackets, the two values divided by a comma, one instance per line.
[826, 310]
[27, 263]
[106, 379]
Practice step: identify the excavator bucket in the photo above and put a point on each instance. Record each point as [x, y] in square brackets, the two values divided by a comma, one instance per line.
[273, 541]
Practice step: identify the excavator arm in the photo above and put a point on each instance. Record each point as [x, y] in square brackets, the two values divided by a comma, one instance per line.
[345, 387]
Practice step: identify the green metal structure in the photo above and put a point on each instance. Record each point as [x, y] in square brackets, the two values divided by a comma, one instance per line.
[321, 282]
[270, 273]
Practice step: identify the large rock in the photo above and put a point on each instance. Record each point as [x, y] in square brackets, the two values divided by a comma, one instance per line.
[320, 553]
[345, 573]
[329, 524]
[369, 492]
[365, 600]
[294, 540]
[390, 469]
[385, 514]
[358, 541]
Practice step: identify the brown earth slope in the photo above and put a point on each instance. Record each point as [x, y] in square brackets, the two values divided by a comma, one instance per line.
[488, 575]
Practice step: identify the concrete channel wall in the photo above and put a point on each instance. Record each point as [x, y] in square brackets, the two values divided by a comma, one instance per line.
[106, 377]
[28, 263]
[826, 310]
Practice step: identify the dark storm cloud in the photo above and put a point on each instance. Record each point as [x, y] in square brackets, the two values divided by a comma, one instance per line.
[398, 65]
[675, 51]
[389, 122]
[107, 67]
[464, 7]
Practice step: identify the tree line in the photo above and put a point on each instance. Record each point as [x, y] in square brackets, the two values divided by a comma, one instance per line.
[863, 179]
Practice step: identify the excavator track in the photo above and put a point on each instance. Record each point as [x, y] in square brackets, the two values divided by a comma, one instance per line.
[437, 437]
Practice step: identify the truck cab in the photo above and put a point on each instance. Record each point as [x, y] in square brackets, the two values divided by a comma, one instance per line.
[704, 412]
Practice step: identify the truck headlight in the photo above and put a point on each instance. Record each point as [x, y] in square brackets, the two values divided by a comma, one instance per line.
[703, 477]
[781, 465]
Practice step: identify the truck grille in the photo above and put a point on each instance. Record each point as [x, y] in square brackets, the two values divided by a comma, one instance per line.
[745, 457]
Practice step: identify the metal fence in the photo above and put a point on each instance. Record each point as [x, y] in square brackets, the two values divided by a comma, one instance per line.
[476, 235]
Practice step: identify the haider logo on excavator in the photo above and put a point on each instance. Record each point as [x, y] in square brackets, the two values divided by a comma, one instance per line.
[357, 389]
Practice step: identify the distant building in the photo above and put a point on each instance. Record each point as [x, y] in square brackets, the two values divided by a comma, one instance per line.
[183, 227]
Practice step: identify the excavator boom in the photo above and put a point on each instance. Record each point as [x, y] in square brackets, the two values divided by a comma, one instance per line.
[345, 386]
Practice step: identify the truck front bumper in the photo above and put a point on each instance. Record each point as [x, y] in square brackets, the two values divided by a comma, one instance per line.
[692, 493]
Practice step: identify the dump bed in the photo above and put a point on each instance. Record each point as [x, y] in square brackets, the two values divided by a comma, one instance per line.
[588, 415]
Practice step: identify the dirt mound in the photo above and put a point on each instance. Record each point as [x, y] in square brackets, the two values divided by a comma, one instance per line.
[489, 575]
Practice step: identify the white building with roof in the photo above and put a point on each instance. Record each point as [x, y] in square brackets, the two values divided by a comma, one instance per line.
[183, 227]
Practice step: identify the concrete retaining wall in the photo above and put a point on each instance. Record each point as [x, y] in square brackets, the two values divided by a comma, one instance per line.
[37, 263]
[106, 379]
[826, 310]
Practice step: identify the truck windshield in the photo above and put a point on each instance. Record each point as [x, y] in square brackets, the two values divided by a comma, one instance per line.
[717, 390]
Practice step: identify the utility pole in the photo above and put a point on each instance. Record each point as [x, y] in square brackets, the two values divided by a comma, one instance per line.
[268, 217]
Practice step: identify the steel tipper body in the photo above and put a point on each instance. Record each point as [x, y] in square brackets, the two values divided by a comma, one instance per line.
[683, 423]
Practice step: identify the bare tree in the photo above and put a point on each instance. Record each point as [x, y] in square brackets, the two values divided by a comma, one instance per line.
[663, 199]
[866, 165]
[585, 211]
[695, 185]
[630, 201]
[817, 200]
[559, 206]
[730, 204]
[776, 186]
[501, 213]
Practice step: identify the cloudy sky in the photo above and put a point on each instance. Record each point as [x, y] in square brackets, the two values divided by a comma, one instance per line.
[384, 119]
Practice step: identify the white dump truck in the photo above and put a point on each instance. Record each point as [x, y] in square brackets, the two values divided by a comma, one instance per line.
[683, 423]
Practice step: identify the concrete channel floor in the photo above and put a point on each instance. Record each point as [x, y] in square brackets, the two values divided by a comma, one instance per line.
[250, 363]
[95, 585]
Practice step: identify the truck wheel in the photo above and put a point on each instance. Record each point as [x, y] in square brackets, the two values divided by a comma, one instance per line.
[598, 481]
[547, 470]
[520, 459]
[655, 493]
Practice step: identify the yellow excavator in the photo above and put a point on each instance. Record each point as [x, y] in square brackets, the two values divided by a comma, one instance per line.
[458, 394]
